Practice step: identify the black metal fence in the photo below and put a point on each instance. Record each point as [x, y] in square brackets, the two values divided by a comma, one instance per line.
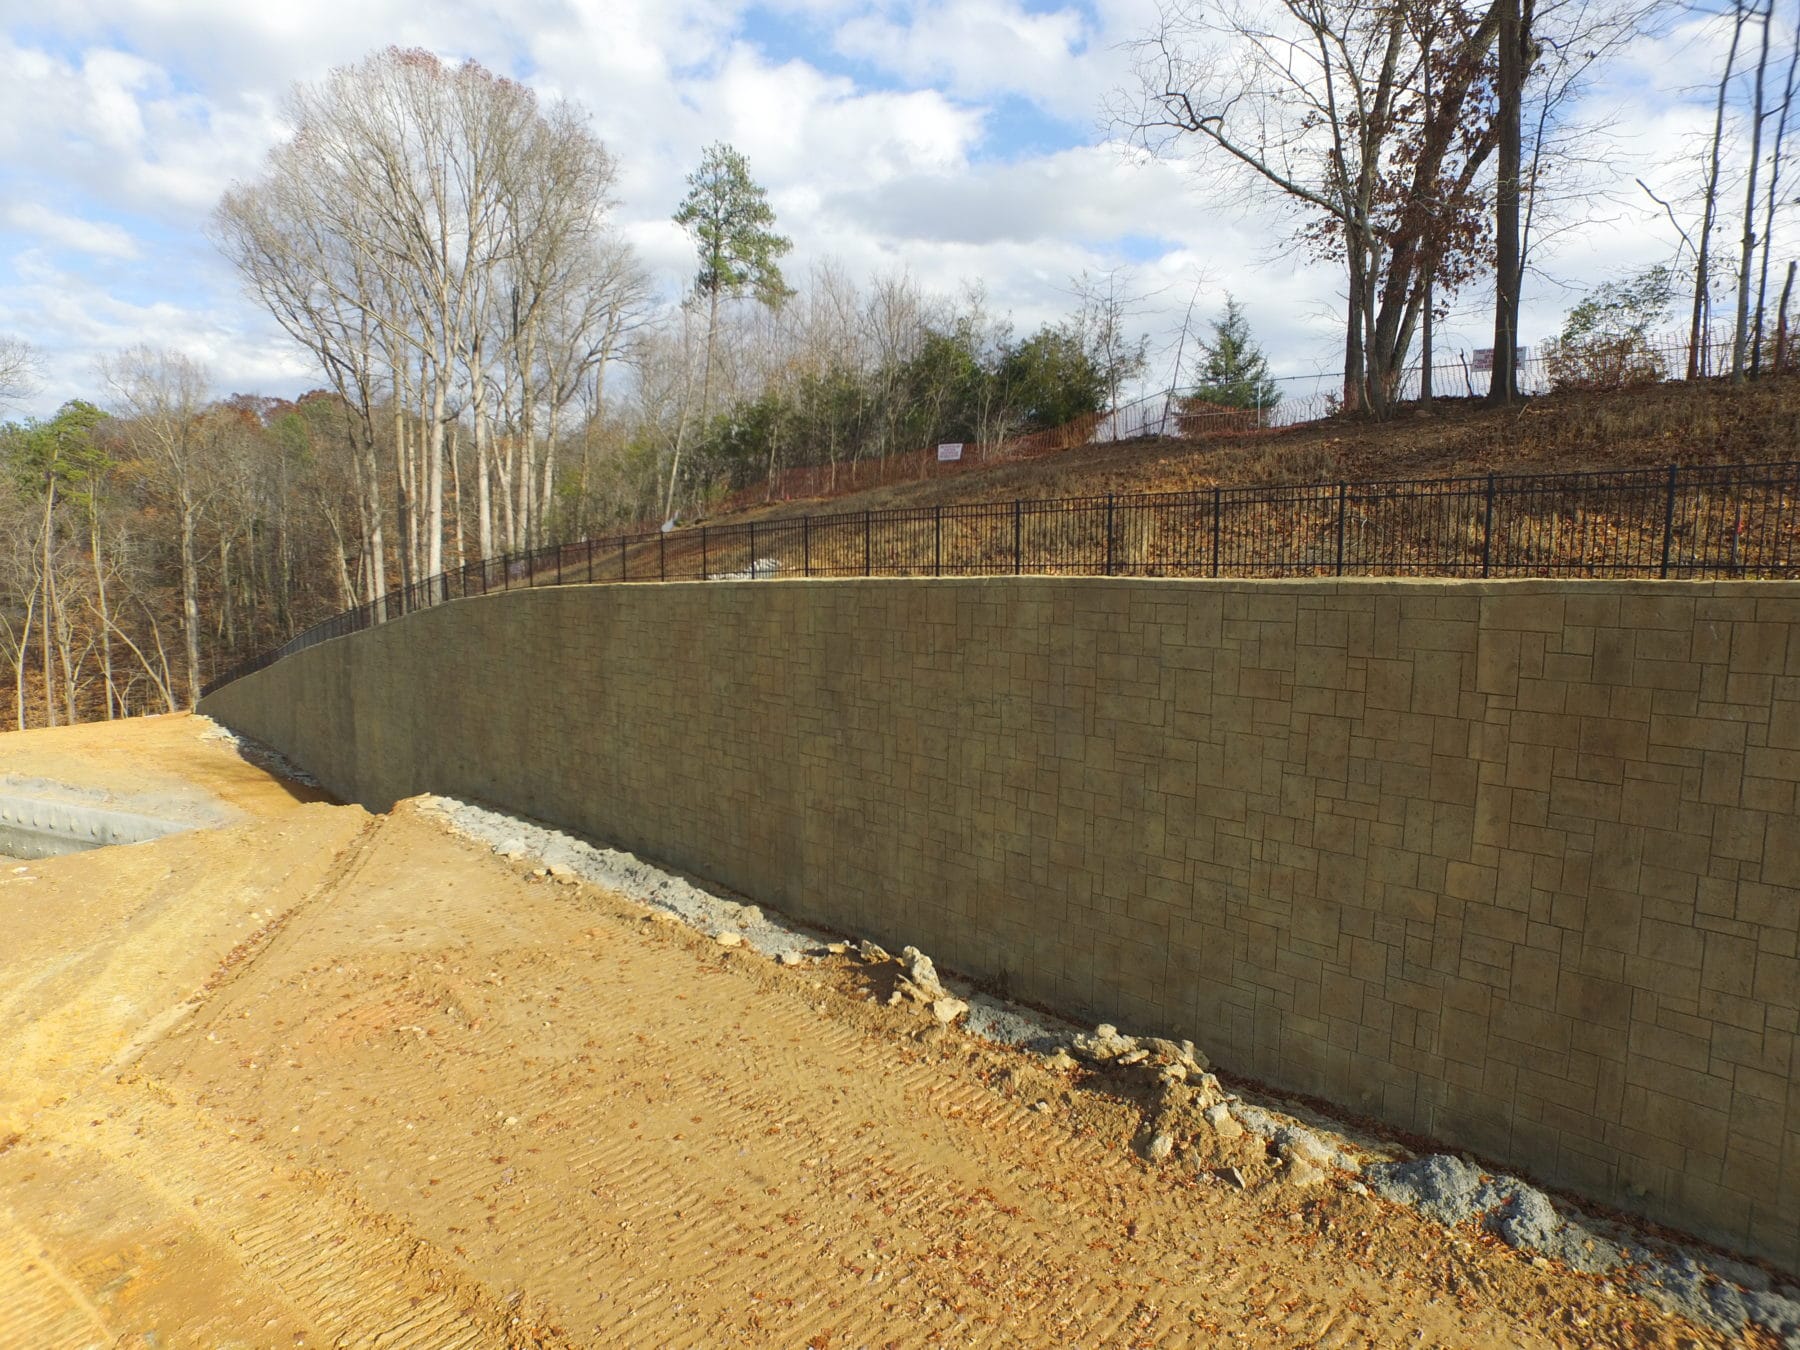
[1740, 521]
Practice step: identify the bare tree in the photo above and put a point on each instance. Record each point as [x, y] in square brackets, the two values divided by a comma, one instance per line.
[19, 364]
[1774, 189]
[1514, 42]
[160, 397]
[326, 297]
[1108, 301]
[1709, 207]
[1323, 102]
[413, 234]
[1747, 249]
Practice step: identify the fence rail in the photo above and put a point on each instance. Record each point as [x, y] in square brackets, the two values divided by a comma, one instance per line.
[1740, 521]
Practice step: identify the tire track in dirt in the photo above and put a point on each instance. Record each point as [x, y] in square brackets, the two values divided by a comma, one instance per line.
[431, 1103]
[37, 1305]
[349, 1277]
[652, 1208]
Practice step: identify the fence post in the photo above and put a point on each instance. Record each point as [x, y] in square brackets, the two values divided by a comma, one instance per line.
[753, 550]
[622, 572]
[1343, 494]
[590, 544]
[937, 541]
[1487, 530]
[1109, 534]
[1218, 505]
[1018, 533]
[1669, 521]
[662, 555]
[806, 545]
[703, 561]
[866, 553]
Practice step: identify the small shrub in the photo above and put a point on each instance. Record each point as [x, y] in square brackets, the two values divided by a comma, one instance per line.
[1605, 340]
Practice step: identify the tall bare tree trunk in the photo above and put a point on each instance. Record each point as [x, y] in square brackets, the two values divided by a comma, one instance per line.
[1768, 231]
[49, 585]
[434, 482]
[547, 506]
[407, 544]
[712, 336]
[1781, 323]
[461, 554]
[1710, 209]
[1747, 251]
[1425, 348]
[1514, 33]
[106, 659]
[190, 598]
[484, 486]
[1355, 359]
[19, 664]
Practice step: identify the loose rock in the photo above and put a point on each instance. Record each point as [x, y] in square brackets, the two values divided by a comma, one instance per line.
[947, 1010]
[920, 983]
[1159, 1147]
[791, 958]
[1301, 1148]
[872, 952]
[1224, 1124]
[1104, 1046]
[729, 939]
[1298, 1173]
[1181, 1053]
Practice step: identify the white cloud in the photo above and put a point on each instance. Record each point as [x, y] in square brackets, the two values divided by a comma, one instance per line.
[974, 47]
[116, 140]
[96, 238]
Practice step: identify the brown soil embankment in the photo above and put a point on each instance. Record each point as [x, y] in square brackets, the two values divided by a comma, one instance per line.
[323, 1078]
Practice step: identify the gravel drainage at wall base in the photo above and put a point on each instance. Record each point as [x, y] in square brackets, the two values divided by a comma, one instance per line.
[1189, 1109]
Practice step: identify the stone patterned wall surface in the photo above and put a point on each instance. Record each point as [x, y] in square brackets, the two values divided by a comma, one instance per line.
[1515, 865]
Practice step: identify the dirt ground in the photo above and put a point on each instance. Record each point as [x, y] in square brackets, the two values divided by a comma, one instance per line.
[325, 1078]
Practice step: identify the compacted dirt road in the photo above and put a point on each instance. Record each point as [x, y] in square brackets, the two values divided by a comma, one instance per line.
[325, 1078]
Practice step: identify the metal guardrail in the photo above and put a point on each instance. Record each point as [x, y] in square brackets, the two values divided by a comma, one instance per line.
[1690, 522]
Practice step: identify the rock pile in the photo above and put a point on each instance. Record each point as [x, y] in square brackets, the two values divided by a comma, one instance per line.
[918, 984]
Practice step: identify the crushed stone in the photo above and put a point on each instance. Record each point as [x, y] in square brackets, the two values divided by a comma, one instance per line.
[1295, 1141]
[264, 757]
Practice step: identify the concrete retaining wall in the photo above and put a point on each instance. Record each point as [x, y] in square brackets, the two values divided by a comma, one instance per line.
[1514, 865]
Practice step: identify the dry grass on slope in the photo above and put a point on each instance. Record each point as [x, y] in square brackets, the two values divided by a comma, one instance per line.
[1711, 423]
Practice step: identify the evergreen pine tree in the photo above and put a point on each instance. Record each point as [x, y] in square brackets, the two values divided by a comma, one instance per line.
[1234, 373]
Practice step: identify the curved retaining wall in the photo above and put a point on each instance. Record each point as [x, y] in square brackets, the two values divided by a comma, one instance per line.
[1515, 865]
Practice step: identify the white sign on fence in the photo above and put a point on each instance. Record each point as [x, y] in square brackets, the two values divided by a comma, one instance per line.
[1483, 361]
[946, 453]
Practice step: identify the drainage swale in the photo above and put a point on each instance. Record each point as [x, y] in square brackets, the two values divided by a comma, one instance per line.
[47, 827]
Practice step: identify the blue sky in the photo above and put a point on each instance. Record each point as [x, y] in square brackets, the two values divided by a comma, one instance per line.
[959, 140]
